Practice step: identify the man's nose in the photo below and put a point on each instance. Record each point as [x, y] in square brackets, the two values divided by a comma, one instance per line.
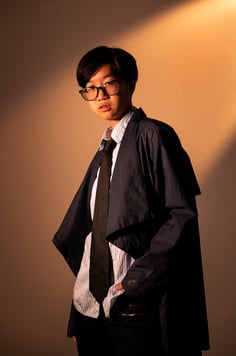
[102, 92]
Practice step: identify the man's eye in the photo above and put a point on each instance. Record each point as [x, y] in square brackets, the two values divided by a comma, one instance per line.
[89, 89]
[108, 83]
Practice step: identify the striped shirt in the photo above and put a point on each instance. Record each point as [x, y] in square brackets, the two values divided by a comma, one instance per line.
[83, 299]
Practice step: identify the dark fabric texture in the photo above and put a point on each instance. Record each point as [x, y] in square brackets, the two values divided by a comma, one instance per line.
[152, 216]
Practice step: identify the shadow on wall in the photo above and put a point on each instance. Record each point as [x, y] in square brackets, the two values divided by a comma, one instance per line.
[38, 38]
[217, 214]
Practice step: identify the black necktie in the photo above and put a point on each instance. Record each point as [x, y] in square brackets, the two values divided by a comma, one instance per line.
[99, 280]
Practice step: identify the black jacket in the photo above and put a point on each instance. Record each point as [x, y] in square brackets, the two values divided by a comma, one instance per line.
[153, 217]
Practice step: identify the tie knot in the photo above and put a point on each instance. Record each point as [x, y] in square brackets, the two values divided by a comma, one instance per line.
[109, 145]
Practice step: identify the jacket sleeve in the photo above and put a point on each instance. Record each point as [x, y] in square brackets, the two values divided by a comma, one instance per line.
[170, 175]
[77, 223]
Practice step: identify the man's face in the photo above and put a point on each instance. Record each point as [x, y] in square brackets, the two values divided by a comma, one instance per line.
[109, 107]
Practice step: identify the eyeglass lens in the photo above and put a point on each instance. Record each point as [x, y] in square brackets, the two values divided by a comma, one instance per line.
[91, 93]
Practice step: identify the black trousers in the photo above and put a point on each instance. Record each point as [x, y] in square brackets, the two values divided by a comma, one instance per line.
[133, 330]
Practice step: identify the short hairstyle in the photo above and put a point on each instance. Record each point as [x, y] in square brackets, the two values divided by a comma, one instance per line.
[123, 65]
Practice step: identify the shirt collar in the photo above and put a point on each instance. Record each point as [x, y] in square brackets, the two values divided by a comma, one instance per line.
[118, 132]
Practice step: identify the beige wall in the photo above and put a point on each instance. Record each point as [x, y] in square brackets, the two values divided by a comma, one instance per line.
[186, 55]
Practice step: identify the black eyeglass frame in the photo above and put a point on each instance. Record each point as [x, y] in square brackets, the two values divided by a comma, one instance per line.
[101, 87]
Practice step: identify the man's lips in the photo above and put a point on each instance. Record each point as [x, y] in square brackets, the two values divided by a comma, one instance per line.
[104, 107]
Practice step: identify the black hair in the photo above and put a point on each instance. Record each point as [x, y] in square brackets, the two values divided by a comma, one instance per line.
[123, 65]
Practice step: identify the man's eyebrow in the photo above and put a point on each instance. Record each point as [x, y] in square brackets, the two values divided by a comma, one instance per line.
[105, 77]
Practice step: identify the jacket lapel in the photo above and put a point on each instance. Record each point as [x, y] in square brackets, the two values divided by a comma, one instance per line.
[128, 185]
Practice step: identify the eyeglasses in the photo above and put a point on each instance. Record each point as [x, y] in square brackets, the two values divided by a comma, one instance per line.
[108, 88]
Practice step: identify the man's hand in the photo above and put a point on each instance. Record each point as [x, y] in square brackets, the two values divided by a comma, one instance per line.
[118, 287]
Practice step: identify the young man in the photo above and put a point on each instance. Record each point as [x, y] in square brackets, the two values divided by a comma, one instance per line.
[154, 299]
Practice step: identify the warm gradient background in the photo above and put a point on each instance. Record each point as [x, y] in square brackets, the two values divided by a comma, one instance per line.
[187, 60]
